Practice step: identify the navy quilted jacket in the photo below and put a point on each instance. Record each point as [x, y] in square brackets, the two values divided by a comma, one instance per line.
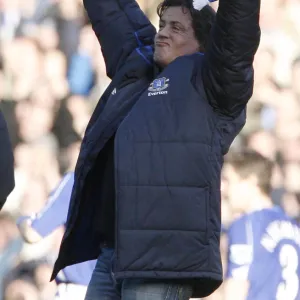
[7, 180]
[172, 129]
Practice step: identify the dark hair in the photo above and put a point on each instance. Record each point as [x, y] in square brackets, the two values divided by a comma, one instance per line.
[249, 163]
[202, 20]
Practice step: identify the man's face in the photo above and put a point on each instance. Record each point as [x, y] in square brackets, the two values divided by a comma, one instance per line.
[238, 190]
[175, 36]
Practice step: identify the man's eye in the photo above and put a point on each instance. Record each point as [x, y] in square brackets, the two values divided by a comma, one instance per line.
[176, 28]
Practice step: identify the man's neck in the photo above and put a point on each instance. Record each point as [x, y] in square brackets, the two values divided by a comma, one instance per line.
[260, 202]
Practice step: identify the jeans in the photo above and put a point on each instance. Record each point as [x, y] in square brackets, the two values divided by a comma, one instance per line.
[103, 285]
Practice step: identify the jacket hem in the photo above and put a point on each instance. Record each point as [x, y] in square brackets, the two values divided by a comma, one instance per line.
[204, 283]
[168, 275]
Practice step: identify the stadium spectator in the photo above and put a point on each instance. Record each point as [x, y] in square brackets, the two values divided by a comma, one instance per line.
[263, 241]
[72, 281]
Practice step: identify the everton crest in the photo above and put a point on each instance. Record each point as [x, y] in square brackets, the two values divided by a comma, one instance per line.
[159, 84]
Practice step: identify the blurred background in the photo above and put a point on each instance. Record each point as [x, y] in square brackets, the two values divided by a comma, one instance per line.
[52, 75]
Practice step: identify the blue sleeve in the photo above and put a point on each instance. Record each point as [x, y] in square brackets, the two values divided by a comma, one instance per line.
[55, 212]
[227, 72]
[240, 249]
[120, 27]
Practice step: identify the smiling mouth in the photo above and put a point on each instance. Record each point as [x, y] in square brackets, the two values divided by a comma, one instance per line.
[161, 44]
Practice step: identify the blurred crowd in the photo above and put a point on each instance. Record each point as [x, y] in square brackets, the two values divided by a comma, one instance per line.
[52, 74]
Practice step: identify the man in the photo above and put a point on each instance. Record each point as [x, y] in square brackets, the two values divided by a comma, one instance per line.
[146, 196]
[7, 179]
[263, 242]
[72, 281]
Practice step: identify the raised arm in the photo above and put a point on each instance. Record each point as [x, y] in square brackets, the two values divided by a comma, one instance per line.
[52, 216]
[120, 27]
[227, 71]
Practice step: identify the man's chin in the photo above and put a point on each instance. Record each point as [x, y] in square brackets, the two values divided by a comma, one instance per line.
[159, 60]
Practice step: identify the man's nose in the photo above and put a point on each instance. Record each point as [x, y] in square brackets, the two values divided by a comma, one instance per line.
[164, 32]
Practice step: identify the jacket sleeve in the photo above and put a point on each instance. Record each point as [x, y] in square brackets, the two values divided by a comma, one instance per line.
[120, 27]
[227, 71]
[7, 181]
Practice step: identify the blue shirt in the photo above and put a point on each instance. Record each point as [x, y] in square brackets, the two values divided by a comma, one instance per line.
[53, 216]
[264, 248]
